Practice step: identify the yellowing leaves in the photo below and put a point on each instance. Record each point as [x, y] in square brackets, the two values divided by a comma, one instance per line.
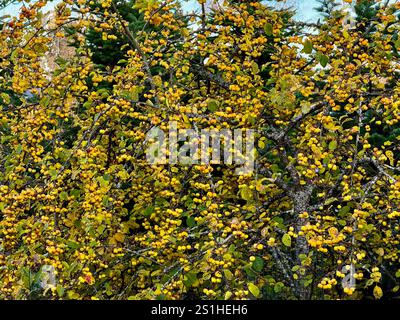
[331, 126]
[317, 151]
[123, 174]
[305, 107]
[77, 192]
[287, 240]
[246, 193]
[255, 291]
[228, 295]
[378, 293]
[332, 145]
[5, 97]
[228, 274]
[255, 69]
[119, 237]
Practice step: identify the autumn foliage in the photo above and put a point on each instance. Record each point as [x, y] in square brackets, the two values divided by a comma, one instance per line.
[320, 212]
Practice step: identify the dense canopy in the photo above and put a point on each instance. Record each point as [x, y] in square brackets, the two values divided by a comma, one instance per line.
[319, 216]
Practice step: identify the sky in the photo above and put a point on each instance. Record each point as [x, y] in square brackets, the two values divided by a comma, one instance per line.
[13, 8]
[305, 9]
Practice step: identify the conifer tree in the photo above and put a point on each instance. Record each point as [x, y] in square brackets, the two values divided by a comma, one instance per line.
[327, 7]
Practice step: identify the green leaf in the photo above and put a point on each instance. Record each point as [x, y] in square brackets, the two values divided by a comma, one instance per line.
[5, 97]
[106, 200]
[103, 182]
[255, 291]
[72, 245]
[19, 149]
[101, 229]
[308, 282]
[63, 195]
[332, 145]
[278, 287]
[397, 43]
[258, 264]
[254, 68]
[308, 46]
[228, 274]
[249, 271]
[13, 55]
[212, 105]
[268, 28]
[190, 279]
[287, 240]
[343, 211]
[87, 104]
[53, 173]
[148, 211]
[323, 60]
[75, 193]
[60, 291]
[190, 222]
[103, 92]
[246, 193]
[330, 201]
[27, 277]
[45, 101]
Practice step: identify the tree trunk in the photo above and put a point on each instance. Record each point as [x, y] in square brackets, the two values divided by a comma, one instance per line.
[301, 201]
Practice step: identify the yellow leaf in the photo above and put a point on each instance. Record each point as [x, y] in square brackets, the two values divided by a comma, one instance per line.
[228, 295]
[287, 240]
[119, 237]
[260, 187]
[246, 193]
[380, 251]
[378, 292]
[316, 151]
[228, 274]
[185, 118]
[330, 126]
[255, 291]
[305, 107]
